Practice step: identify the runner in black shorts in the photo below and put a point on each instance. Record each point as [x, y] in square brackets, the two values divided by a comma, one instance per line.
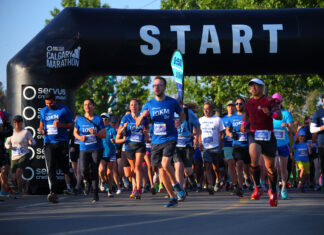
[259, 112]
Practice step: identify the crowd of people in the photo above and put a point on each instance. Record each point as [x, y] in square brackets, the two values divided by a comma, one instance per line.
[164, 146]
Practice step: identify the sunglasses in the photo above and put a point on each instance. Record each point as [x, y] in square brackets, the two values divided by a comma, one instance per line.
[105, 119]
[239, 103]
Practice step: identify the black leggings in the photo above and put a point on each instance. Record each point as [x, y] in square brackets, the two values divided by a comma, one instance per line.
[92, 158]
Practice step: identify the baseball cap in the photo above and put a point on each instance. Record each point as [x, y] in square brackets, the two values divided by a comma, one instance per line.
[18, 118]
[114, 119]
[106, 115]
[257, 81]
[230, 103]
[277, 96]
[301, 132]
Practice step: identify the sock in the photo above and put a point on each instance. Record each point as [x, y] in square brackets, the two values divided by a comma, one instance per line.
[256, 175]
[68, 186]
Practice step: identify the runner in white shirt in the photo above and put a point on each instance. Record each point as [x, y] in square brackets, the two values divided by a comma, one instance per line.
[211, 141]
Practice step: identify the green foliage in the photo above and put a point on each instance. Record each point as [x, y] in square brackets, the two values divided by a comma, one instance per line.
[129, 88]
[3, 97]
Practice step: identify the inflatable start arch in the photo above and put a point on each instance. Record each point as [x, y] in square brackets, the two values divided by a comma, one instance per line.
[81, 42]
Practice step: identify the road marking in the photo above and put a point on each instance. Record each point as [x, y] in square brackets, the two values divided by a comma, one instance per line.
[241, 203]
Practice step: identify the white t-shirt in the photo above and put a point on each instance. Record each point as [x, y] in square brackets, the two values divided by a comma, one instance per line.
[210, 131]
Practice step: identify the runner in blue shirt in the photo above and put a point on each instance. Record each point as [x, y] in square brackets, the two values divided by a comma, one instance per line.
[134, 144]
[55, 119]
[90, 129]
[282, 129]
[161, 110]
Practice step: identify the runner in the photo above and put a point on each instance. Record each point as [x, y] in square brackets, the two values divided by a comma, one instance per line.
[259, 112]
[55, 119]
[211, 141]
[317, 126]
[18, 143]
[135, 143]
[90, 129]
[161, 110]
[282, 129]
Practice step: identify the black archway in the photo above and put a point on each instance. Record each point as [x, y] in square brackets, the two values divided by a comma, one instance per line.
[81, 42]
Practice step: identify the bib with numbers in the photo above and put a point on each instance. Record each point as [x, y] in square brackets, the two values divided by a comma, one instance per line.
[17, 151]
[90, 139]
[262, 135]
[136, 137]
[242, 137]
[51, 130]
[303, 152]
[208, 140]
[160, 129]
[280, 134]
[181, 141]
[148, 145]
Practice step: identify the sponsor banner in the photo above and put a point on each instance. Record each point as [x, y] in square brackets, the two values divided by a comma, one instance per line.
[32, 101]
[177, 69]
[62, 53]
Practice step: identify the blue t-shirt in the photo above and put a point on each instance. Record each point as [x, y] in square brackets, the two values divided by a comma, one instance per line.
[134, 134]
[48, 116]
[281, 133]
[318, 119]
[228, 141]
[301, 152]
[162, 116]
[109, 147]
[235, 124]
[92, 142]
[184, 133]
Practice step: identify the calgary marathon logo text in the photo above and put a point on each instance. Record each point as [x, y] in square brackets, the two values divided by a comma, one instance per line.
[58, 57]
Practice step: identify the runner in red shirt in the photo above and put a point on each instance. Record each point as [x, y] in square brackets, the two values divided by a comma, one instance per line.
[259, 112]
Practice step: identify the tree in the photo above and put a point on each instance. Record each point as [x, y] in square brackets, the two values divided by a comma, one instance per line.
[3, 97]
[220, 89]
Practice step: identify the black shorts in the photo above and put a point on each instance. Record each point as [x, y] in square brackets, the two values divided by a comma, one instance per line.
[58, 152]
[185, 155]
[162, 150]
[268, 148]
[4, 160]
[124, 162]
[135, 148]
[74, 156]
[242, 153]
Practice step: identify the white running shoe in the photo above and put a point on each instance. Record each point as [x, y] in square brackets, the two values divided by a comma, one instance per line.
[119, 191]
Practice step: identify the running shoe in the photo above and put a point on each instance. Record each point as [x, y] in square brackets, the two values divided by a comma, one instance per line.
[4, 194]
[273, 201]
[199, 189]
[153, 191]
[52, 198]
[238, 192]
[137, 194]
[102, 186]
[156, 186]
[257, 193]
[217, 187]
[68, 192]
[210, 190]
[181, 194]
[132, 195]
[110, 193]
[248, 182]
[144, 190]
[284, 194]
[18, 195]
[161, 188]
[119, 191]
[172, 203]
[317, 187]
[95, 198]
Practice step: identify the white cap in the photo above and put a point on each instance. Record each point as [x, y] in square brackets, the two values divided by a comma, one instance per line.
[105, 115]
[257, 81]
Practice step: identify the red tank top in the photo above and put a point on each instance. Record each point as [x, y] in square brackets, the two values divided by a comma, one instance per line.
[258, 119]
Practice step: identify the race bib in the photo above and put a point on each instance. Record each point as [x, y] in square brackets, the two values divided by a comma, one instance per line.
[242, 137]
[136, 137]
[208, 140]
[303, 152]
[280, 134]
[181, 141]
[262, 135]
[90, 139]
[160, 129]
[17, 151]
[148, 145]
[51, 130]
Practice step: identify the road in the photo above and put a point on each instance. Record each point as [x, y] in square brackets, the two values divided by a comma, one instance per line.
[201, 213]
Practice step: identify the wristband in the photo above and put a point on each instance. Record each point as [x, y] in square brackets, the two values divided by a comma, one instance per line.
[244, 123]
[274, 115]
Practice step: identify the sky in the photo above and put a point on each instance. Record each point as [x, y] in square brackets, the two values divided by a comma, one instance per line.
[21, 20]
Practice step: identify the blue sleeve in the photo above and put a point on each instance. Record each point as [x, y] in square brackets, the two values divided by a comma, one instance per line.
[177, 109]
[42, 115]
[123, 120]
[145, 107]
[114, 133]
[289, 118]
[76, 124]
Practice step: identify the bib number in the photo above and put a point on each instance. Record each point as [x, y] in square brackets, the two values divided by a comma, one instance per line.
[160, 129]
[17, 151]
[208, 140]
[181, 141]
[52, 130]
[90, 139]
[262, 135]
[242, 137]
[136, 137]
[279, 134]
[303, 153]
